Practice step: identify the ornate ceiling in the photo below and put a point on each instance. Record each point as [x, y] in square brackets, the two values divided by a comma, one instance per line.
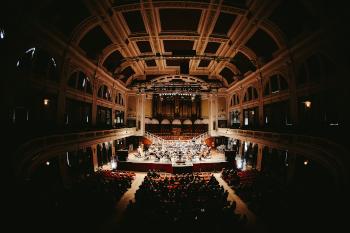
[136, 41]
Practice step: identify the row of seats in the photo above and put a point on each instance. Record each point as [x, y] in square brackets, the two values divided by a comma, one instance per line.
[191, 202]
[235, 177]
[118, 175]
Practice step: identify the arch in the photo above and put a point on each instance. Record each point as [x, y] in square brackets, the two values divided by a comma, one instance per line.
[176, 122]
[119, 99]
[274, 84]
[314, 68]
[95, 41]
[205, 121]
[187, 122]
[227, 74]
[80, 81]
[155, 121]
[234, 99]
[148, 121]
[83, 28]
[125, 73]
[169, 78]
[165, 122]
[40, 62]
[233, 68]
[262, 44]
[198, 122]
[104, 93]
[243, 61]
[274, 32]
[112, 59]
[251, 93]
[249, 53]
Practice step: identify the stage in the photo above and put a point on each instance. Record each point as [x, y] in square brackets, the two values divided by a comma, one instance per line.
[216, 162]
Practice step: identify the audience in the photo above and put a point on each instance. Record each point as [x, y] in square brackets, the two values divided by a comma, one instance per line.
[181, 203]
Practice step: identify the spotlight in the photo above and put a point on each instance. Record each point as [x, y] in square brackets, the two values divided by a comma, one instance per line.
[47, 163]
[306, 162]
[2, 34]
[114, 165]
[46, 102]
[307, 104]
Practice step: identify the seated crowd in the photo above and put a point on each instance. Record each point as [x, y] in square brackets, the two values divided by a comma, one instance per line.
[181, 203]
[257, 189]
[83, 204]
[116, 182]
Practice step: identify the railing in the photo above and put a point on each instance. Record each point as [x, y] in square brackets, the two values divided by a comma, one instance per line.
[329, 153]
[201, 138]
[154, 138]
[37, 147]
[158, 140]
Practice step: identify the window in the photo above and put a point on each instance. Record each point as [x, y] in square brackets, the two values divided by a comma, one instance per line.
[275, 84]
[251, 94]
[234, 100]
[39, 63]
[78, 80]
[104, 93]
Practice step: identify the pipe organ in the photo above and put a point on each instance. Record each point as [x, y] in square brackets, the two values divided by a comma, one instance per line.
[179, 106]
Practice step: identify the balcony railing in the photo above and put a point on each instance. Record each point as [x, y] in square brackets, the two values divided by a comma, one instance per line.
[29, 151]
[159, 140]
[331, 154]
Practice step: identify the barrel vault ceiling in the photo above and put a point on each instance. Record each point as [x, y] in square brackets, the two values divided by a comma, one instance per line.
[131, 39]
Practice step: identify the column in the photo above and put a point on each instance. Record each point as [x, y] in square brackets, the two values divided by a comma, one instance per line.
[66, 181]
[113, 149]
[259, 157]
[140, 113]
[113, 109]
[138, 120]
[61, 108]
[261, 101]
[228, 112]
[126, 96]
[291, 166]
[61, 98]
[213, 114]
[241, 149]
[94, 103]
[143, 103]
[216, 111]
[210, 115]
[241, 113]
[94, 157]
[293, 99]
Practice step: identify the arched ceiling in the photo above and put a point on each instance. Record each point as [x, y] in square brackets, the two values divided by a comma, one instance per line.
[216, 39]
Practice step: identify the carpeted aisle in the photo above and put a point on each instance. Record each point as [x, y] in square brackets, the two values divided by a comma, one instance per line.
[113, 223]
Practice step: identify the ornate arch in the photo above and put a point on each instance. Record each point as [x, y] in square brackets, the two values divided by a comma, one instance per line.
[83, 28]
[245, 91]
[276, 72]
[109, 50]
[274, 32]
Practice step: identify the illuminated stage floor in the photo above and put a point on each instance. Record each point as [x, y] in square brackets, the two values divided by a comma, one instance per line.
[215, 163]
[215, 157]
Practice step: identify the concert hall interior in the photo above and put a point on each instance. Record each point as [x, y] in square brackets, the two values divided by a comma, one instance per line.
[196, 116]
